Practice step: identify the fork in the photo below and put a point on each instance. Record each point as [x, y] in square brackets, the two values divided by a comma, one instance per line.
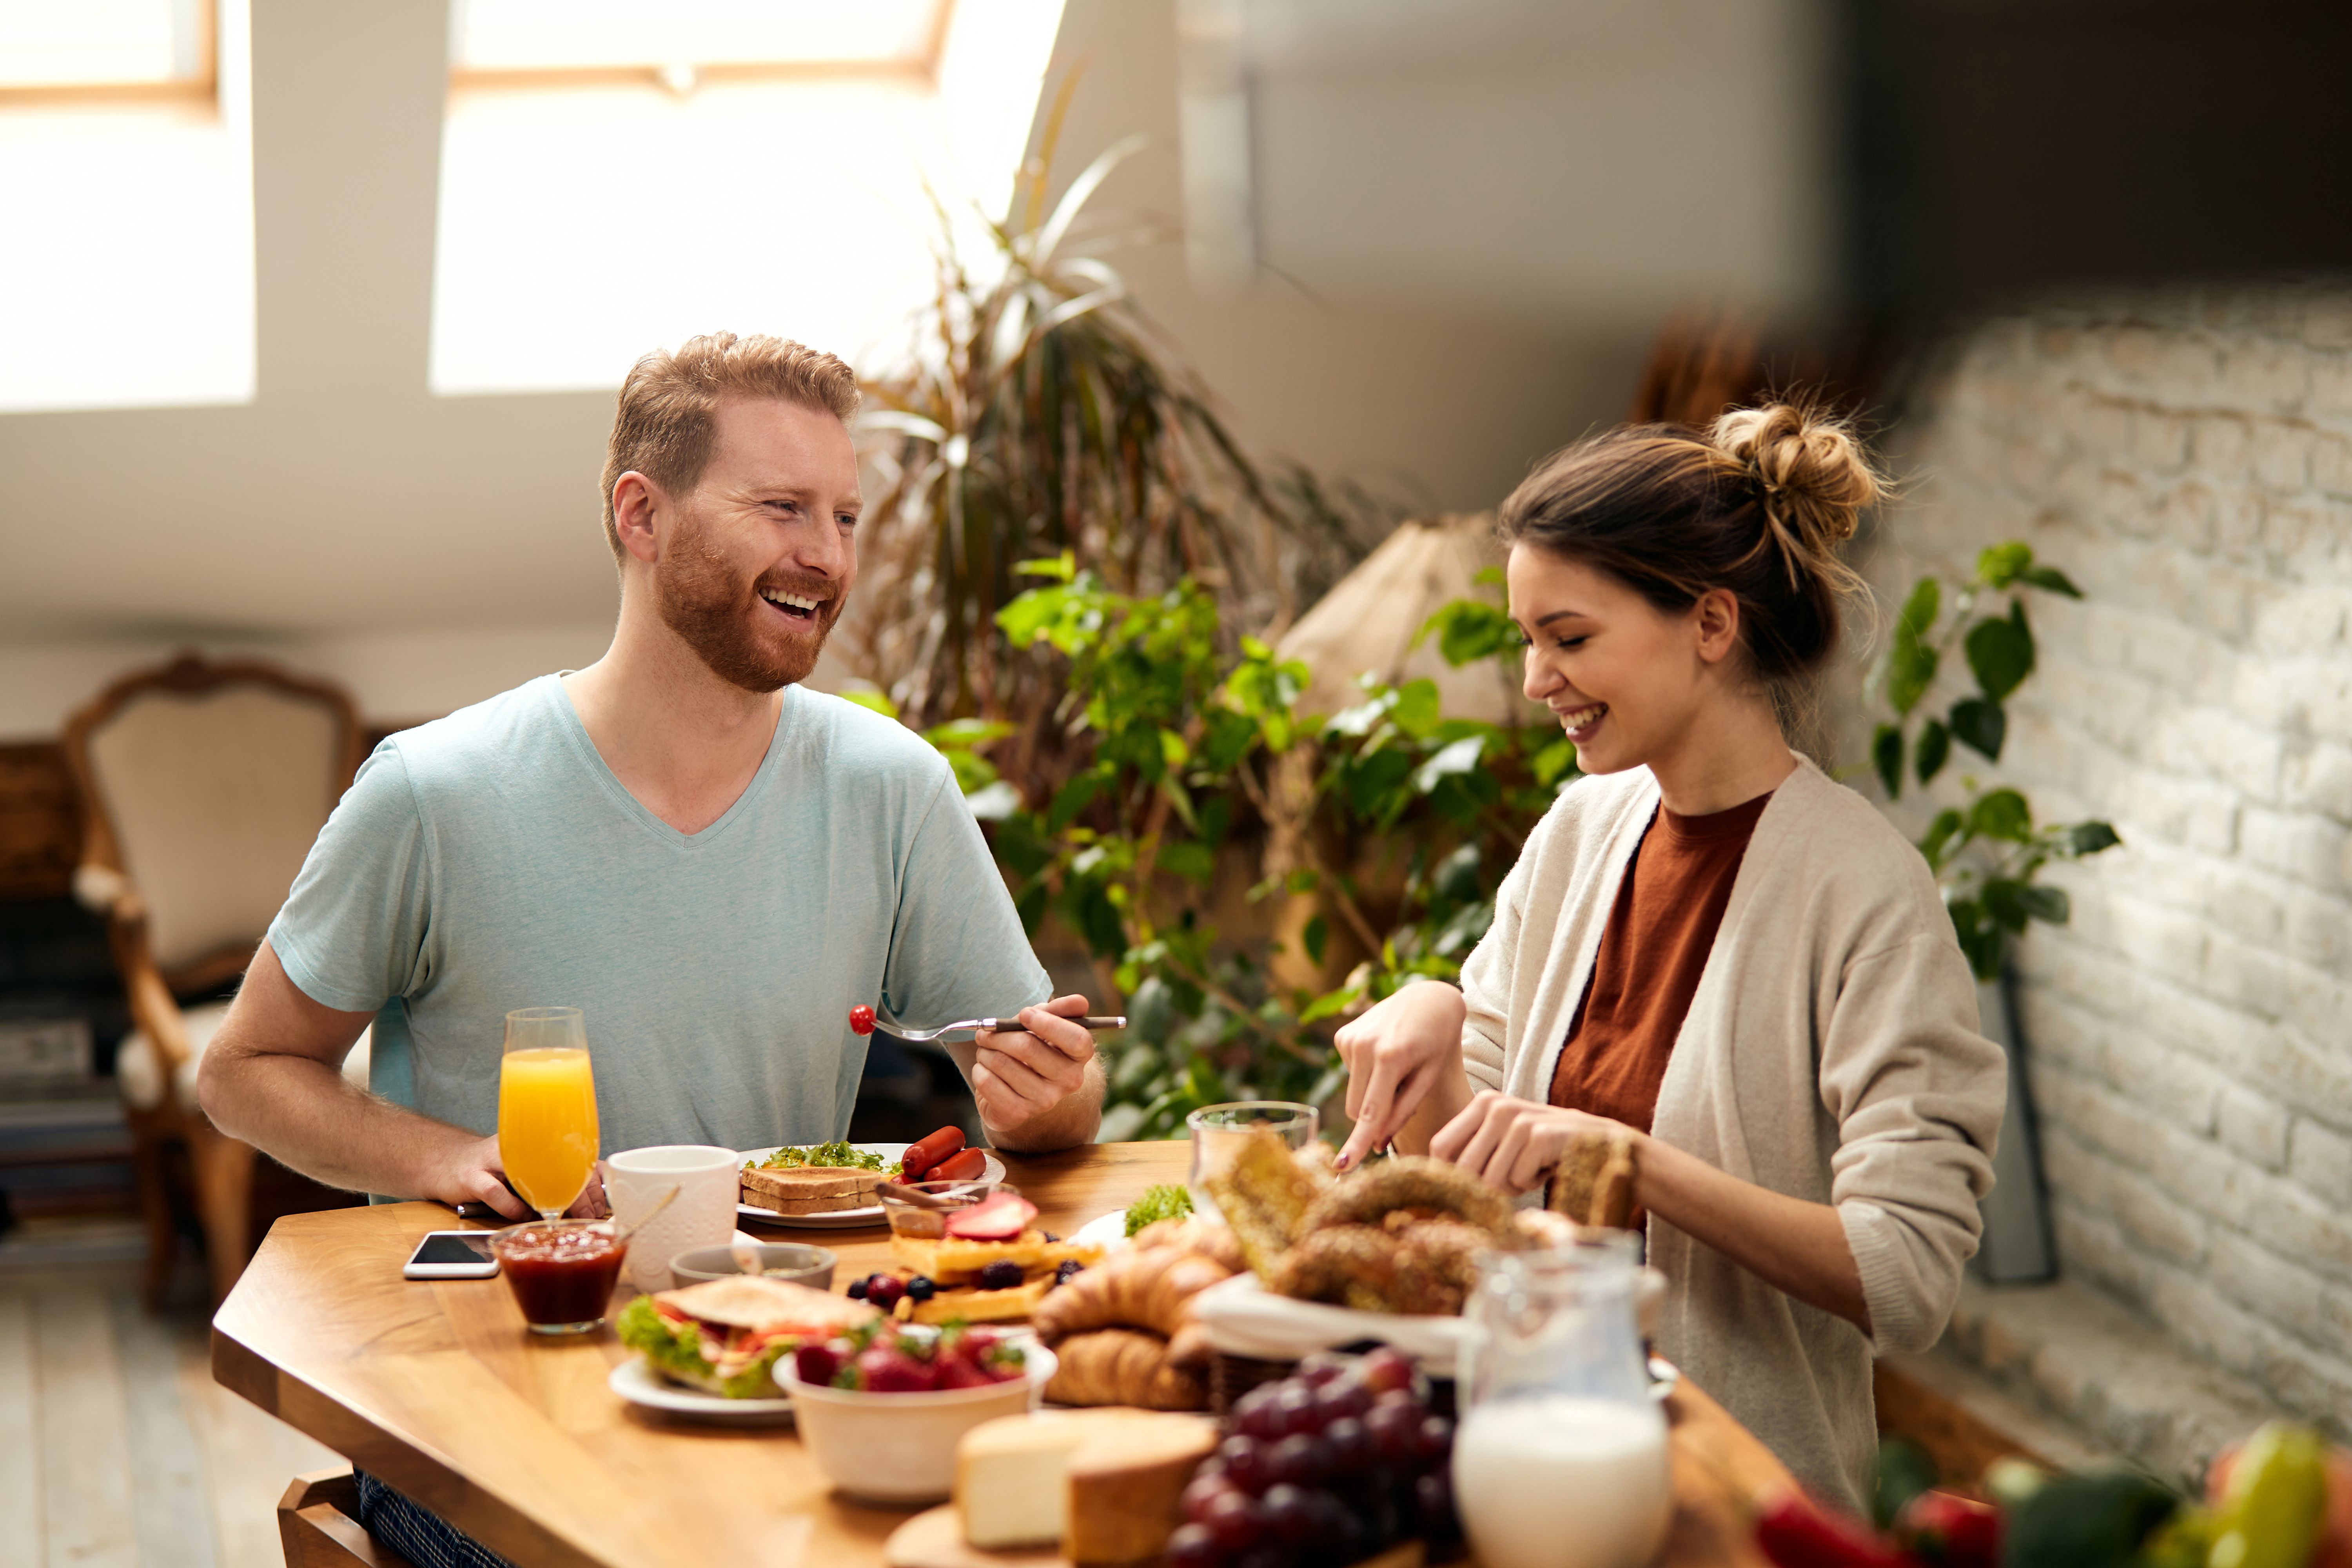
[918, 1036]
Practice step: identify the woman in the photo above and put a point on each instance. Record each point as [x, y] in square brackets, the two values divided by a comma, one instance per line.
[1710, 948]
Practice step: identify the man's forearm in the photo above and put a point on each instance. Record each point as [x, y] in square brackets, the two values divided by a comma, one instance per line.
[306, 1115]
[1069, 1123]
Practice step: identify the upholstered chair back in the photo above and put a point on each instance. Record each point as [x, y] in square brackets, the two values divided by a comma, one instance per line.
[213, 786]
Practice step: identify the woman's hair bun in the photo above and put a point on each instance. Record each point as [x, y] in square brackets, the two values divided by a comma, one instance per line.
[1759, 505]
[1813, 475]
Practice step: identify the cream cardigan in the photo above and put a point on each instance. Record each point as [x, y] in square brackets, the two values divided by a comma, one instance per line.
[1831, 1052]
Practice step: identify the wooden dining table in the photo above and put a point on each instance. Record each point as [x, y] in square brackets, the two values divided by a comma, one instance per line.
[438, 1388]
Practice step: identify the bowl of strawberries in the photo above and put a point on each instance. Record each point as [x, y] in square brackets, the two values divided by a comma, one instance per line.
[882, 1407]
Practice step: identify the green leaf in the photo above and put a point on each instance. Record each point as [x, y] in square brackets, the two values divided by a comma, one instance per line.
[1062, 568]
[1999, 566]
[2090, 837]
[1029, 617]
[2049, 905]
[1887, 755]
[1936, 844]
[1315, 938]
[1934, 746]
[1151, 1010]
[1070, 800]
[877, 700]
[1189, 859]
[964, 732]
[1416, 708]
[1487, 576]
[2004, 903]
[1460, 757]
[1980, 940]
[1457, 877]
[1554, 760]
[2052, 579]
[972, 772]
[2000, 652]
[1329, 1004]
[1469, 630]
[1372, 780]
[1910, 661]
[1980, 723]
[2001, 813]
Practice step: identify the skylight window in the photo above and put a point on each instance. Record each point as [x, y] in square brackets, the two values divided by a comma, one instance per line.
[617, 177]
[682, 42]
[106, 48]
[126, 172]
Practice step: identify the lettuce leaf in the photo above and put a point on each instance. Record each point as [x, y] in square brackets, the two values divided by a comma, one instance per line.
[672, 1348]
[756, 1381]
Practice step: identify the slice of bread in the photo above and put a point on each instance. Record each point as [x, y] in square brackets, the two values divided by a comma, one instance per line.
[809, 1189]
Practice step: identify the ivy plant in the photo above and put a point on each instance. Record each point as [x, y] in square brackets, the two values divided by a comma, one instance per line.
[1397, 821]
[1987, 850]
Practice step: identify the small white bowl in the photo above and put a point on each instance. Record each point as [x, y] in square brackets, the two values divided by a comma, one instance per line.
[901, 1447]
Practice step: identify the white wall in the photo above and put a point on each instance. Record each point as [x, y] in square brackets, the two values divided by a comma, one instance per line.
[432, 550]
[2187, 460]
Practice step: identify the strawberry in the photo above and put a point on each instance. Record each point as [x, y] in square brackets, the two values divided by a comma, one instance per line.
[887, 1369]
[955, 1372]
[815, 1365]
[999, 1217]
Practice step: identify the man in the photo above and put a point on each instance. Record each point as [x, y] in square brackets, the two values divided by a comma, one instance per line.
[713, 862]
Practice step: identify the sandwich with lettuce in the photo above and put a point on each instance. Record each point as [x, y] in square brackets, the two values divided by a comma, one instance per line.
[725, 1336]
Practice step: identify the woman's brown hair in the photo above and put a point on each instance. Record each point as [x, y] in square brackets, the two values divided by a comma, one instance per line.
[1759, 505]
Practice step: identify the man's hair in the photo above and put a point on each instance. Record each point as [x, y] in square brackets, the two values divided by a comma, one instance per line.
[670, 405]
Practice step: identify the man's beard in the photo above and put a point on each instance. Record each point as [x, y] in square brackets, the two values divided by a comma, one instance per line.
[723, 619]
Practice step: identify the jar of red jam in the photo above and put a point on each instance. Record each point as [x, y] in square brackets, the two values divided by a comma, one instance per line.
[561, 1271]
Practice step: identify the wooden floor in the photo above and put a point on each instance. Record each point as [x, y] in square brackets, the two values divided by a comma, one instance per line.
[117, 1449]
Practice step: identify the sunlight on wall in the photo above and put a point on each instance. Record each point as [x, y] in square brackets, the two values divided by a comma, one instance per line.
[582, 226]
[138, 292]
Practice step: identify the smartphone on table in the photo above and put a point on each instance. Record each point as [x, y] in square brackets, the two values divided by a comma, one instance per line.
[452, 1255]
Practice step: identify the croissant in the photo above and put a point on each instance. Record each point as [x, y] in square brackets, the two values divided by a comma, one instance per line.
[1120, 1366]
[1205, 1237]
[1141, 1288]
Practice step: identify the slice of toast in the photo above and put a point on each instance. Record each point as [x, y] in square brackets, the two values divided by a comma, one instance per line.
[809, 1189]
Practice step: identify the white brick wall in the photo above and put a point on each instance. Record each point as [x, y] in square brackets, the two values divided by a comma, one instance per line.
[2187, 460]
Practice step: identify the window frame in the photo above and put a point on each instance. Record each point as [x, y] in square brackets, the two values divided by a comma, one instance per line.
[923, 70]
[201, 86]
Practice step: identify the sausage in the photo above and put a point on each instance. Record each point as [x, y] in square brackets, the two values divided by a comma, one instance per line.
[966, 1166]
[921, 1156]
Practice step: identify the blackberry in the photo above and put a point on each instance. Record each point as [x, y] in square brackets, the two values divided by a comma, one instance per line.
[1002, 1275]
[1070, 1266]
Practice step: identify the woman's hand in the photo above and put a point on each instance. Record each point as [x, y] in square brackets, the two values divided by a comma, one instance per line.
[1515, 1143]
[1404, 1064]
[1787, 1242]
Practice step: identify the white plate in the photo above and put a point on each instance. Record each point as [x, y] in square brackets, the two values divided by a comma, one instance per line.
[1107, 1231]
[636, 1382]
[844, 1219]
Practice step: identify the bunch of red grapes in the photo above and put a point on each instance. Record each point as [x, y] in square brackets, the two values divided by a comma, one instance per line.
[1334, 1464]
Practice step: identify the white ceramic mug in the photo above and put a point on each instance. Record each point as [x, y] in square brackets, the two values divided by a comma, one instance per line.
[703, 1215]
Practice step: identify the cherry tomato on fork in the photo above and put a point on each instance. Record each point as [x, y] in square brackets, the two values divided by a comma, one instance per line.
[861, 1019]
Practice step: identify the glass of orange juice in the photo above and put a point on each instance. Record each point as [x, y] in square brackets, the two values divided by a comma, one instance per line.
[547, 1108]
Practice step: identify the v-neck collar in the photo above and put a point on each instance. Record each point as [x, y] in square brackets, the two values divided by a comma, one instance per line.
[585, 749]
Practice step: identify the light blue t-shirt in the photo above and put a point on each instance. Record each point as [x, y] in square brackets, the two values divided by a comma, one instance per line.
[490, 860]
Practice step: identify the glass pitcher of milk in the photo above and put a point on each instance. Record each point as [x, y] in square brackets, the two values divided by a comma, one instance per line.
[1561, 1458]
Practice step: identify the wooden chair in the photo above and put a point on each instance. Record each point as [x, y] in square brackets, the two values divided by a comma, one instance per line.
[318, 1524]
[201, 786]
